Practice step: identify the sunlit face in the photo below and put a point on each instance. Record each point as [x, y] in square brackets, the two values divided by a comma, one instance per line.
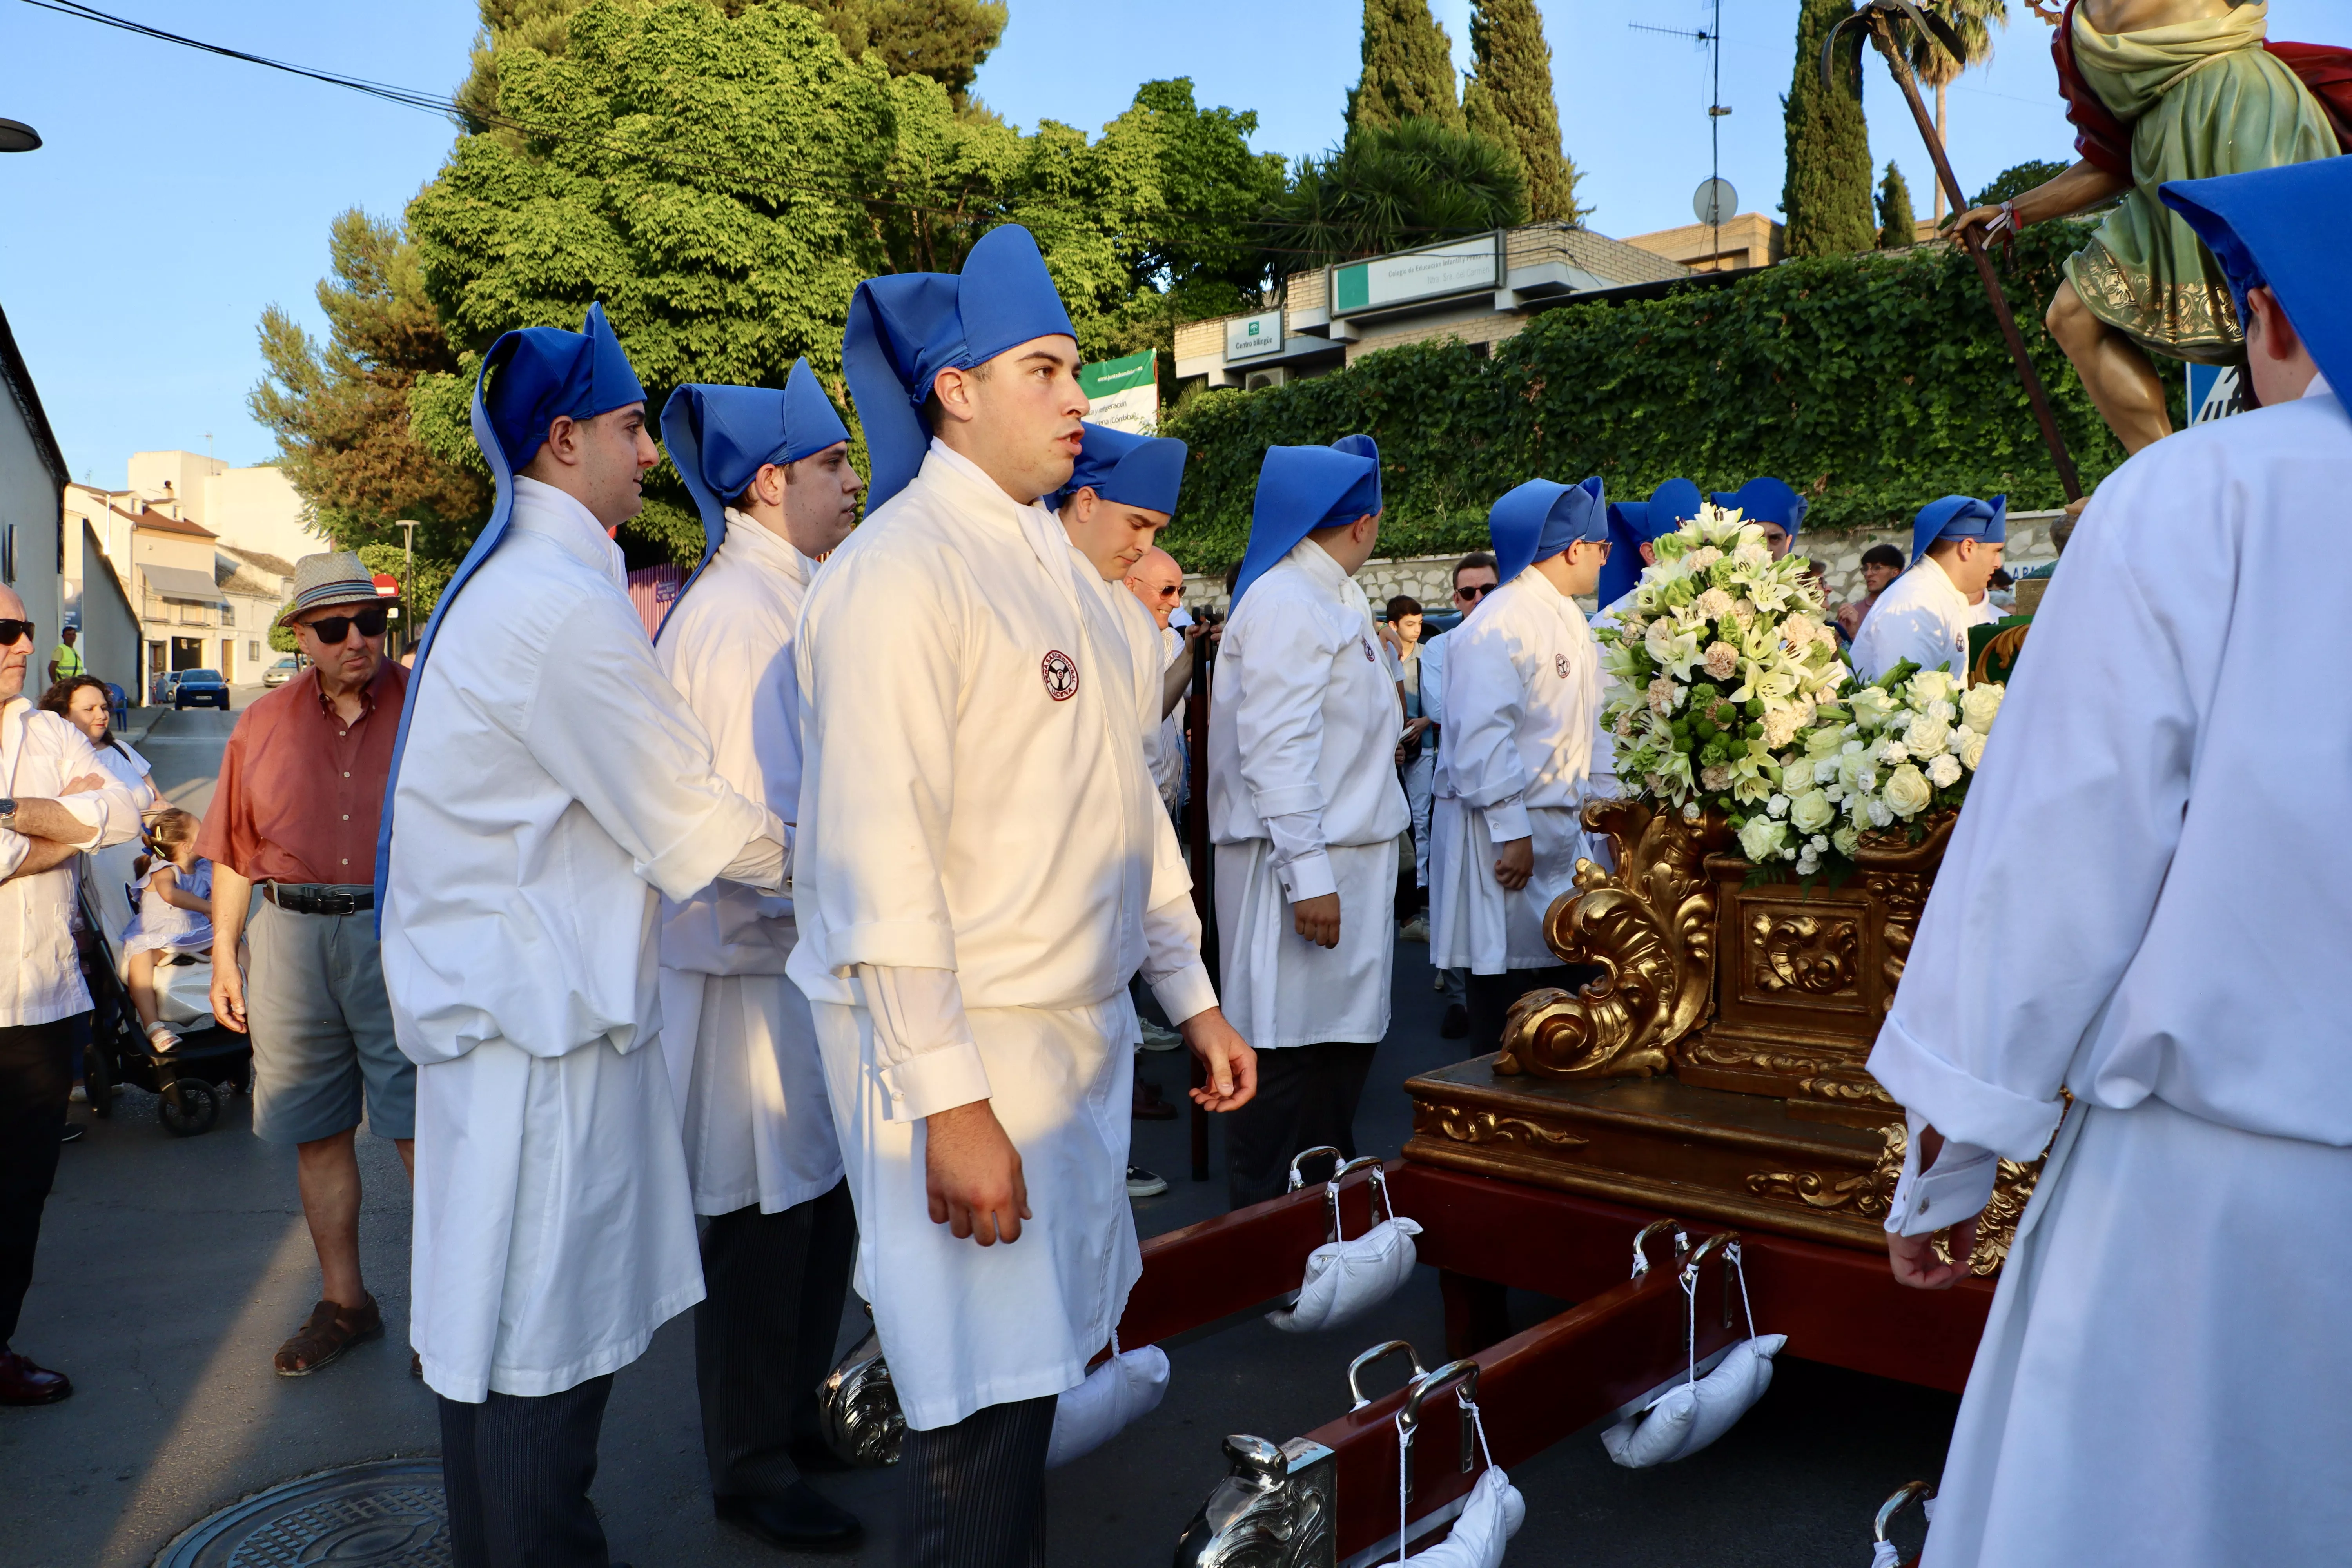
[1018, 416]
[1471, 586]
[87, 712]
[16, 658]
[820, 499]
[349, 662]
[1112, 535]
[1408, 629]
[1159, 581]
[600, 462]
[1877, 575]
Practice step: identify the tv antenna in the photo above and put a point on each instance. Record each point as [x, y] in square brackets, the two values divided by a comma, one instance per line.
[1709, 38]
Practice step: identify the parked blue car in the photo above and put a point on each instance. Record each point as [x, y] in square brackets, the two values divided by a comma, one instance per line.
[200, 688]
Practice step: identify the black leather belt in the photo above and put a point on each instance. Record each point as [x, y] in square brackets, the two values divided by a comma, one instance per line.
[320, 898]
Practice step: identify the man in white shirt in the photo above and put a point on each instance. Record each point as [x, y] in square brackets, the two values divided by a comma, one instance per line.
[2164, 1379]
[56, 799]
[987, 863]
[1523, 684]
[769, 473]
[557, 782]
[1926, 614]
[1474, 579]
[1158, 582]
[1305, 808]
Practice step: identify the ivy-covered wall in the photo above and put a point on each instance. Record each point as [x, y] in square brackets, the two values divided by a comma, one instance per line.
[1875, 382]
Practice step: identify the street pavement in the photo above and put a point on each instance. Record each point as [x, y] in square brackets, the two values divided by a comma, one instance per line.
[171, 1268]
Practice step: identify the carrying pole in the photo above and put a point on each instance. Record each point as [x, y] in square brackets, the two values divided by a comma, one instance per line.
[1204, 900]
[1882, 31]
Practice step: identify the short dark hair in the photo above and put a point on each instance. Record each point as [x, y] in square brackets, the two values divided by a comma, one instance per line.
[2001, 579]
[1403, 604]
[58, 699]
[1882, 555]
[933, 415]
[1476, 561]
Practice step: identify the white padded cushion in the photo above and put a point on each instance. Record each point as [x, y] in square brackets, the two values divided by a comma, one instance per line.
[1346, 1280]
[1491, 1517]
[1123, 1390]
[1689, 1416]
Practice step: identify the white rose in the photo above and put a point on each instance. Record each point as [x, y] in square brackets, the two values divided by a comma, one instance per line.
[1926, 736]
[1908, 793]
[1931, 686]
[1979, 704]
[1873, 707]
[1844, 839]
[1760, 839]
[1972, 755]
[1943, 710]
[1944, 772]
[1812, 811]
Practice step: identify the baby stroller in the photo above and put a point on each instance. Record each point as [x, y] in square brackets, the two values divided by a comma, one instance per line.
[190, 1075]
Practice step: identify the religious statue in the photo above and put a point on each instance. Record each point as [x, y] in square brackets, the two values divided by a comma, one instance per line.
[2158, 90]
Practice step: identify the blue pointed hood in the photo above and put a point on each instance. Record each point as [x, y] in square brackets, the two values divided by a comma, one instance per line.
[2287, 229]
[719, 437]
[529, 378]
[1300, 490]
[1766, 499]
[1536, 520]
[1144, 471]
[905, 328]
[1633, 524]
[1959, 517]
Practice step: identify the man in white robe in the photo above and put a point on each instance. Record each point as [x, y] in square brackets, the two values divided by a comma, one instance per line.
[987, 864]
[2164, 1379]
[1773, 505]
[1523, 683]
[1635, 529]
[556, 782]
[1474, 580]
[1925, 614]
[1158, 582]
[760, 1144]
[1305, 808]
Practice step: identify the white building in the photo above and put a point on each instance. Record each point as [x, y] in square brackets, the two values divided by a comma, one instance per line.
[32, 477]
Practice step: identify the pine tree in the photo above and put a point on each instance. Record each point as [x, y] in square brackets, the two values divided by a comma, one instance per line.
[1896, 226]
[1408, 71]
[1826, 193]
[1509, 101]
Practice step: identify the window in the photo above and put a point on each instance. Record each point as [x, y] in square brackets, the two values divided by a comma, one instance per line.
[253, 650]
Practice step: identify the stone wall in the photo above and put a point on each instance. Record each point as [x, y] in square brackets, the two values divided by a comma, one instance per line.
[1430, 578]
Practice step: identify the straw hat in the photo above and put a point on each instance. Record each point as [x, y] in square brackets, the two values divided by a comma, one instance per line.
[330, 577]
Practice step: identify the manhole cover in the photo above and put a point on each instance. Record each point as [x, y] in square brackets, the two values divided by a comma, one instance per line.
[387, 1513]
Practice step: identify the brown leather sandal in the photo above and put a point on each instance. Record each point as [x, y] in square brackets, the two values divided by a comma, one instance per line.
[329, 1330]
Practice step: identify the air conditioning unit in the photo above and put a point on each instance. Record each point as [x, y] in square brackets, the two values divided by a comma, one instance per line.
[1257, 380]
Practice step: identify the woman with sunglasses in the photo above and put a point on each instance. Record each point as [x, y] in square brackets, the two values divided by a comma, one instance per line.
[84, 702]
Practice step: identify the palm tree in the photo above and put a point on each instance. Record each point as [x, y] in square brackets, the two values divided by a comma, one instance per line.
[1972, 20]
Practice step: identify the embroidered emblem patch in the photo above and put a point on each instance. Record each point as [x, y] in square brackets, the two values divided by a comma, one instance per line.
[1367, 651]
[1559, 663]
[1061, 676]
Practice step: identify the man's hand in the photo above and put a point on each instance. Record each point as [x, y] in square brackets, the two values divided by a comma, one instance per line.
[1317, 919]
[228, 991]
[1232, 1064]
[971, 1173]
[1515, 862]
[1917, 1265]
[84, 784]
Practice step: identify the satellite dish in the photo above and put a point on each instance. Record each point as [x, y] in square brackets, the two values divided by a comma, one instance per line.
[15, 136]
[1714, 201]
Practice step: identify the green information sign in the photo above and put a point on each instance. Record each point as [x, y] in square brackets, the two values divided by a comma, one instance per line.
[1124, 392]
[1115, 376]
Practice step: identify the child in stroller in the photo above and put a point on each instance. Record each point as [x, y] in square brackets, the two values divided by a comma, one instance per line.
[175, 909]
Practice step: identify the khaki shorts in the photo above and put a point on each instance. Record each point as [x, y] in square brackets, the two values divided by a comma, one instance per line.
[321, 1028]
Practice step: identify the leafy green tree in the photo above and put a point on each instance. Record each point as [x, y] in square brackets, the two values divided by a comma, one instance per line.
[1509, 101]
[1408, 69]
[1896, 226]
[339, 410]
[2017, 180]
[1826, 194]
[1391, 189]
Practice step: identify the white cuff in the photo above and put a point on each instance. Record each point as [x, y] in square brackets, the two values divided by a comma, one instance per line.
[765, 862]
[939, 1079]
[89, 812]
[14, 847]
[1958, 1187]
[1958, 1103]
[1506, 821]
[1308, 876]
[1186, 992]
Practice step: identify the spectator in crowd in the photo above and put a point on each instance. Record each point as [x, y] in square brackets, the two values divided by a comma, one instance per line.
[1401, 649]
[63, 801]
[2000, 592]
[1881, 565]
[1473, 578]
[1159, 581]
[294, 819]
[65, 662]
[175, 914]
[84, 701]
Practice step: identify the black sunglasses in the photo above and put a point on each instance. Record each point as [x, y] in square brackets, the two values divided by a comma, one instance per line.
[14, 631]
[330, 630]
[1475, 590]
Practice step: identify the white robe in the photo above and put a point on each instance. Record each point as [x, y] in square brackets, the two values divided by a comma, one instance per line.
[983, 838]
[738, 1037]
[1304, 800]
[1170, 763]
[552, 781]
[1921, 617]
[1522, 706]
[2143, 903]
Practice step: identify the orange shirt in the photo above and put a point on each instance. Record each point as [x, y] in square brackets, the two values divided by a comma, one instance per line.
[301, 792]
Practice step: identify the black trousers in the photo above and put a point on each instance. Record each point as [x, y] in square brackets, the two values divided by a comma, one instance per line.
[1491, 997]
[763, 1336]
[1307, 1096]
[36, 1076]
[975, 1491]
[517, 1471]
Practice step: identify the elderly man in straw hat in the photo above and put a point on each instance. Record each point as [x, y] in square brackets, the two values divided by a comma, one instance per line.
[291, 837]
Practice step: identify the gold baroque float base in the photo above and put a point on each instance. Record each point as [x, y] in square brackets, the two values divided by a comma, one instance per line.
[1694, 1152]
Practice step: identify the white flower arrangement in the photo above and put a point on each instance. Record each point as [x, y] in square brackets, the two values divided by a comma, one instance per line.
[1730, 695]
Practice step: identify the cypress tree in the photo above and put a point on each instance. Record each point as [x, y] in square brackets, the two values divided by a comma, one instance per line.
[1408, 71]
[1511, 101]
[1826, 195]
[1896, 226]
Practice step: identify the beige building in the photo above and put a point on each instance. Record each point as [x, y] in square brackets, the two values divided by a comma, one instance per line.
[1744, 240]
[201, 601]
[254, 508]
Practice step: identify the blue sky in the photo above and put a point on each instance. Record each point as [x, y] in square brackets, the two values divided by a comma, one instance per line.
[180, 193]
